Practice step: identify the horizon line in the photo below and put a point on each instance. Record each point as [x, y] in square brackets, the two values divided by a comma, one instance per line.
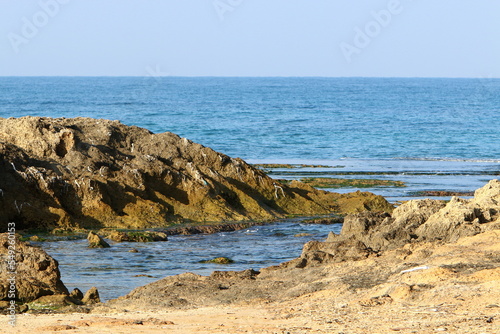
[242, 76]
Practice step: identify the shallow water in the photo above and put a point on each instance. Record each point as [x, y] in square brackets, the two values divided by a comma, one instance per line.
[112, 270]
[418, 175]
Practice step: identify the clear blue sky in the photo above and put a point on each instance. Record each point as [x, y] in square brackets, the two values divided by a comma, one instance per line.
[396, 38]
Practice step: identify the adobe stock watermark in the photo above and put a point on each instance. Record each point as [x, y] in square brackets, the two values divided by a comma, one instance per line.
[149, 87]
[11, 273]
[31, 26]
[364, 35]
[222, 7]
[156, 72]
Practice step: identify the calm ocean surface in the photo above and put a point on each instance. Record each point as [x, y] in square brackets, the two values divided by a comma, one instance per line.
[433, 134]
[285, 118]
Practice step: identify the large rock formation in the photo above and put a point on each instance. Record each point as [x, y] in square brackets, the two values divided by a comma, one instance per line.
[97, 173]
[36, 273]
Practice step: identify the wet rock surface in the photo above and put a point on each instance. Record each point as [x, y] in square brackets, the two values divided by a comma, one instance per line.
[98, 173]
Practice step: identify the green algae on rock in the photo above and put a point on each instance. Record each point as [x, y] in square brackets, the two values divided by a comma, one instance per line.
[219, 260]
[290, 166]
[134, 236]
[328, 182]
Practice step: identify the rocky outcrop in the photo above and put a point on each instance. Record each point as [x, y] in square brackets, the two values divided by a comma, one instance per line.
[462, 217]
[36, 273]
[381, 231]
[98, 173]
[76, 294]
[369, 233]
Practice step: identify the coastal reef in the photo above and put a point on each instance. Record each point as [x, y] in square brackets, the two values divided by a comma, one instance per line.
[95, 173]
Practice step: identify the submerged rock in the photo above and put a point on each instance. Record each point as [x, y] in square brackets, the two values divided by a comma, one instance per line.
[219, 260]
[89, 173]
[142, 236]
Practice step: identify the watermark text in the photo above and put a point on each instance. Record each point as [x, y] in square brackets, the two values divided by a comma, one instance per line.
[11, 272]
[32, 25]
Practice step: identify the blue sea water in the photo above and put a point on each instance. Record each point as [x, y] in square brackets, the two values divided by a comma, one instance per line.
[284, 118]
[433, 134]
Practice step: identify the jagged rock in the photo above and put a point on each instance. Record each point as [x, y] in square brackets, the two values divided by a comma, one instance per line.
[76, 294]
[331, 237]
[458, 218]
[412, 214]
[37, 273]
[91, 296]
[88, 173]
[116, 236]
[381, 231]
[362, 223]
[344, 249]
[488, 198]
[461, 217]
[417, 220]
[95, 241]
[375, 230]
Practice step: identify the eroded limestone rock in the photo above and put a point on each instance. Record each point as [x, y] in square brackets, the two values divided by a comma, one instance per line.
[36, 273]
[91, 296]
[368, 233]
[89, 173]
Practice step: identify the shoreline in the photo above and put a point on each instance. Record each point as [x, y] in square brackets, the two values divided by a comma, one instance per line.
[439, 264]
[59, 234]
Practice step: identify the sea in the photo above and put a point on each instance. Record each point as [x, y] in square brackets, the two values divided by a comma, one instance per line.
[434, 134]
